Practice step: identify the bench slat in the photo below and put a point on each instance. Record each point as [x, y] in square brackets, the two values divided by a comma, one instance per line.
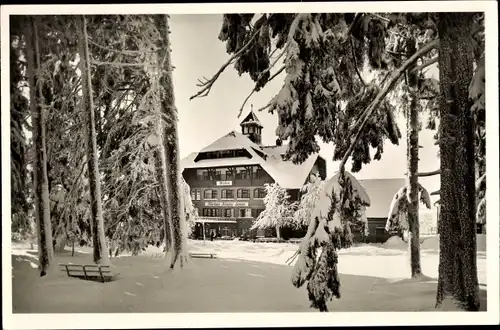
[88, 271]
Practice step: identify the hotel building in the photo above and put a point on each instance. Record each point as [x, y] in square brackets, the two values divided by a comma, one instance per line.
[227, 179]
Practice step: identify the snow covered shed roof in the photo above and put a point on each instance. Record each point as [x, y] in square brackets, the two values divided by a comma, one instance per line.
[285, 173]
[381, 192]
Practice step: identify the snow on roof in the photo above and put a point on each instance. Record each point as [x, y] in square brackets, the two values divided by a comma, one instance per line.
[381, 192]
[231, 141]
[285, 173]
[221, 162]
[275, 151]
[188, 161]
[251, 118]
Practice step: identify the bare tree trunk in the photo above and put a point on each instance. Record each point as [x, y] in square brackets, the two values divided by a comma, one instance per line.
[40, 178]
[160, 167]
[278, 234]
[170, 141]
[99, 241]
[412, 147]
[457, 224]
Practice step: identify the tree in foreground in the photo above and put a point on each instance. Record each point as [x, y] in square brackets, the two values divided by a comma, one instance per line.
[458, 280]
[100, 250]
[170, 142]
[278, 212]
[40, 179]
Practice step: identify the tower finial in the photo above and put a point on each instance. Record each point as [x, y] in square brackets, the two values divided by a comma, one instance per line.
[251, 107]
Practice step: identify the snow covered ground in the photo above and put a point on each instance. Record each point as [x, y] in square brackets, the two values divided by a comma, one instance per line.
[389, 260]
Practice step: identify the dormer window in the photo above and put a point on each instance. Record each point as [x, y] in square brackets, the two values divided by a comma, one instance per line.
[245, 130]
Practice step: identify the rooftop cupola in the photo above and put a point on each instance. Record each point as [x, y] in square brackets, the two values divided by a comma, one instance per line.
[251, 127]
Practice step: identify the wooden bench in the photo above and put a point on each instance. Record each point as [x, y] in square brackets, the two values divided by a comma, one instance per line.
[89, 272]
[202, 255]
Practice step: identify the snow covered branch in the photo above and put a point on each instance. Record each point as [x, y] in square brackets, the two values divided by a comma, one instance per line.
[118, 64]
[480, 180]
[124, 52]
[254, 90]
[431, 173]
[208, 83]
[426, 64]
[381, 95]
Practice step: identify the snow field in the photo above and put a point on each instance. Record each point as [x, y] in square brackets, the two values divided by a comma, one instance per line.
[389, 260]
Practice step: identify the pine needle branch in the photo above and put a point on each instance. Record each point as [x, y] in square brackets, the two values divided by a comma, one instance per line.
[426, 64]
[431, 173]
[355, 62]
[124, 52]
[118, 64]
[381, 95]
[253, 91]
[208, 83]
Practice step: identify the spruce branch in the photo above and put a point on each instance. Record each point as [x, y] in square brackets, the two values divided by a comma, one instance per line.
[73, 186]
[425, 174]
[123, 51]
[117, 64]
[480, 180]
[254, 90]
[426, 64]
[208, 83]
[381, 95]
[355, 62]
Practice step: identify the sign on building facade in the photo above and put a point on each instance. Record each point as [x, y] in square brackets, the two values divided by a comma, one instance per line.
[227, 203]
[224, 183]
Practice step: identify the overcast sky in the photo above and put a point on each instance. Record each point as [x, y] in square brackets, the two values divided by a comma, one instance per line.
[197, 52]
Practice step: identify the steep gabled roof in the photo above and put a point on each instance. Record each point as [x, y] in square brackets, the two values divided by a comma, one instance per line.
[231, 141]
[285, 173]
[381, 192]
[251, 118]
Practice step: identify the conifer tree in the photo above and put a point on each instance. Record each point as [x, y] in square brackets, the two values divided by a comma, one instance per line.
[100, 250]
[457, 223]
[40, 179]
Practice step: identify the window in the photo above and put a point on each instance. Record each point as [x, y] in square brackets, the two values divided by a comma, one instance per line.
[258, 172]
[243, 193]
[251, 129]
[228, 213]
[218, 175]
[259, 193]
[195, 194]
[258, 212]
[245, 213]
[211, 212]
[227, 194]
[241, 173]
[244, 130]
[210, 194]
[206, 176]
[229, 174]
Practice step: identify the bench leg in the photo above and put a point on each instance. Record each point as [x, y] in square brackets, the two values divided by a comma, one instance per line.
[100, 272]
[84, 273]
[67, 270]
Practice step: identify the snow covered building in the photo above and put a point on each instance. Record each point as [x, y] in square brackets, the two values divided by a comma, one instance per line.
[227, 178]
